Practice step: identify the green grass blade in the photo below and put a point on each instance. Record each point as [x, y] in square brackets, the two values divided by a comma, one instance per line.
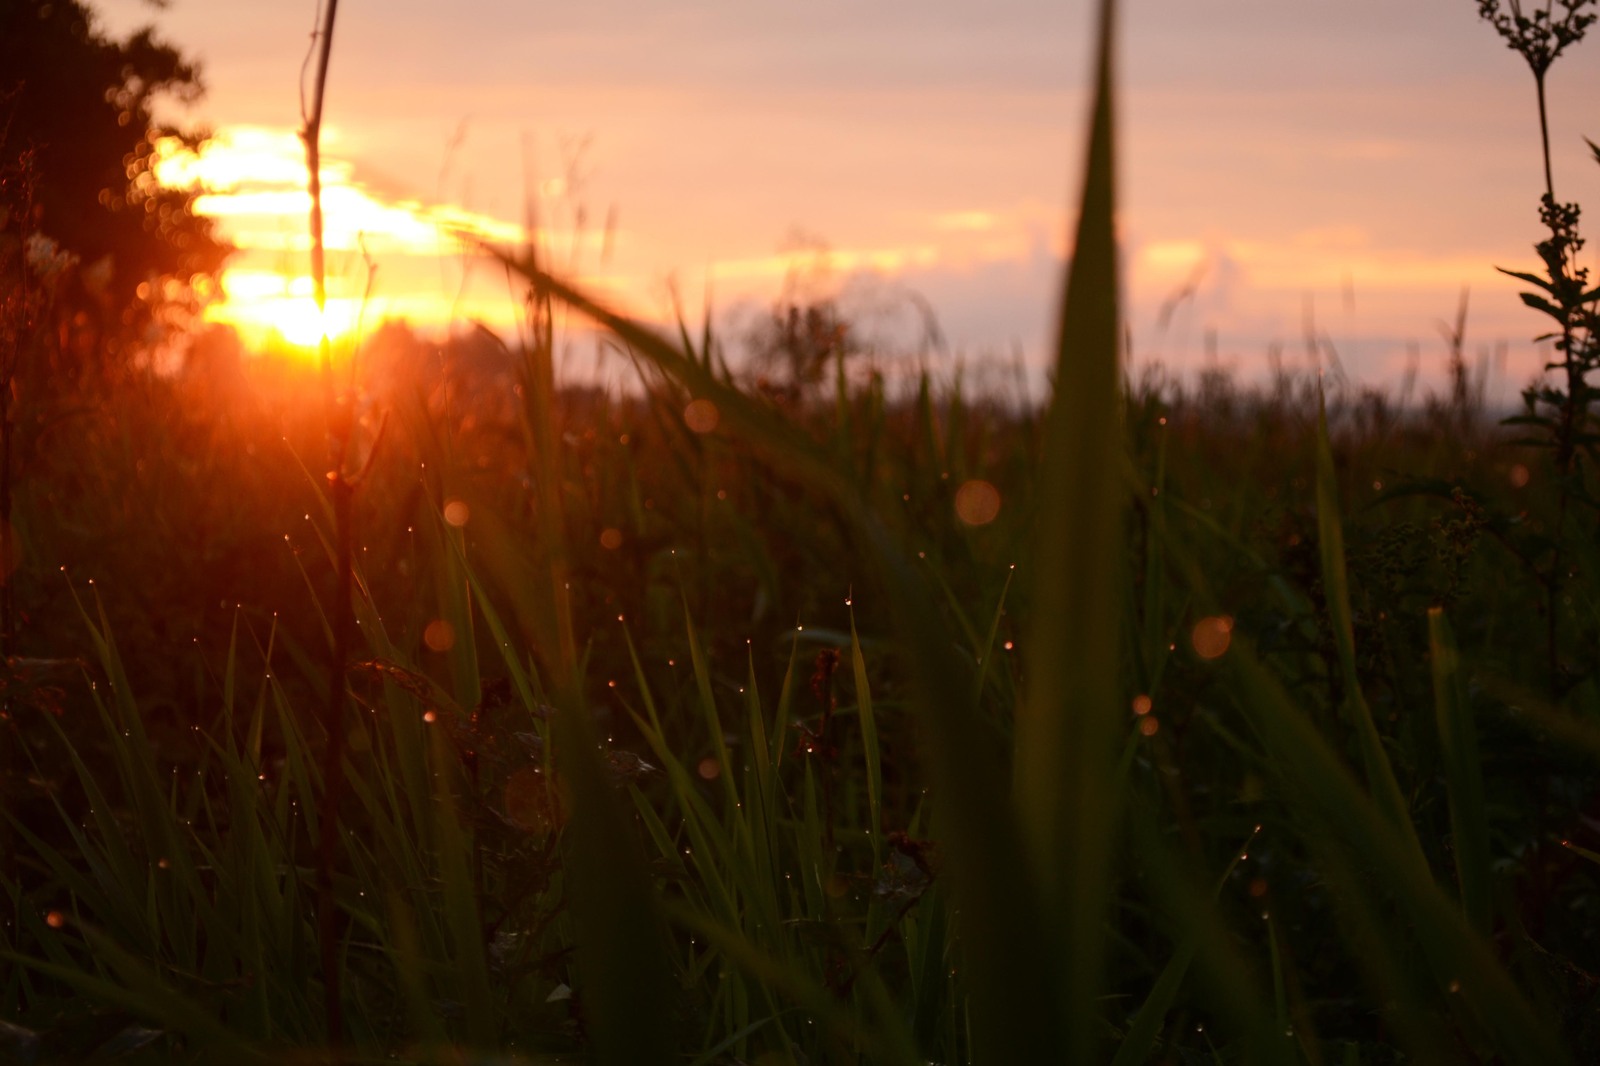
[1325, 794]
[1330, 537]
[1140, 1039]
[869, 741]
[1458, 742]
[1067, 728]
[621, 946]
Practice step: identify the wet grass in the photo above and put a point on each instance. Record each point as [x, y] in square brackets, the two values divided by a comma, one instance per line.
[716, 724]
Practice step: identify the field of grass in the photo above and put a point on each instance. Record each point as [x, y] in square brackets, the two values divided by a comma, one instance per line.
[712, 723]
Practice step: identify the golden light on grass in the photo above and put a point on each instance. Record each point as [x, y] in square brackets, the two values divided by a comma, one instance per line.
[1211, 636]
[610, 538]
[456, 513]
[701, 416]
[439, 635]
[977, 502]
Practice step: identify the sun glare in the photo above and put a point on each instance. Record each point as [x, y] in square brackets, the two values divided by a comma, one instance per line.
[300, 323]
[252, 182]
[263, 304]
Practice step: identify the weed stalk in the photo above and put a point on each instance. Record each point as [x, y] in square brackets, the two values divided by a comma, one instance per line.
[336, 407]
[1540, 36]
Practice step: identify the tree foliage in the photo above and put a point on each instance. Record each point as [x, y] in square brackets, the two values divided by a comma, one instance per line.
[78, 143]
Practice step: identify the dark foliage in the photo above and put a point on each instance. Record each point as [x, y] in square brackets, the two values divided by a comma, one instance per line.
[79, 105]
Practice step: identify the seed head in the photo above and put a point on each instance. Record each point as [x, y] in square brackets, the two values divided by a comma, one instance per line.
[1541, 35]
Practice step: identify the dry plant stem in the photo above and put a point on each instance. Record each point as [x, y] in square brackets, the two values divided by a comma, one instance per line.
[1566, 433]
[337, 412]
[1544, 136]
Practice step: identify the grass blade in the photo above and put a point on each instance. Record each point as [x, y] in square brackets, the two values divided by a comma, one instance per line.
[1458, 742]
[1330, 538]
[1067, 727]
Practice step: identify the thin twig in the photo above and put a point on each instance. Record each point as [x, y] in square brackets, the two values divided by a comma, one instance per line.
[336, 407]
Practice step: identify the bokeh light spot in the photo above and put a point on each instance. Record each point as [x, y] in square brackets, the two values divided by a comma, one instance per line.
[1141, 704]
[1148, 726]
[701, 416]
[1211, 636]
[440, 635]
[610, 539]
[456, 512]
[977, 502]
[709, 768]
[1519, 476]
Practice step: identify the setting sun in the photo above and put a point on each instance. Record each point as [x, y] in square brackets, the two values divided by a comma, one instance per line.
[252, 182]
[264, 303]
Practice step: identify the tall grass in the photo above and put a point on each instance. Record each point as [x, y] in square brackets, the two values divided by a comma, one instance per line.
[717, 726]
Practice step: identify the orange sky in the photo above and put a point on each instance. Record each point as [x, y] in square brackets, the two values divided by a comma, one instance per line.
[1365, 159]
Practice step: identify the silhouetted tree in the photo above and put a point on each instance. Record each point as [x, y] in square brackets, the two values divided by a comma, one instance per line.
[77, 105]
